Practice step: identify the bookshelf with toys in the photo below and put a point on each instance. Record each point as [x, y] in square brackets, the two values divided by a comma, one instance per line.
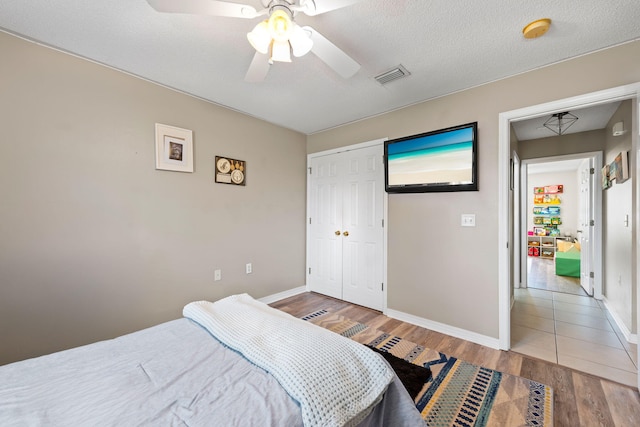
[542, 240]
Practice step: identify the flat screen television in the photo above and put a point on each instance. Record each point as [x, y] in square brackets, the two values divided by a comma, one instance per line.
[441, 160]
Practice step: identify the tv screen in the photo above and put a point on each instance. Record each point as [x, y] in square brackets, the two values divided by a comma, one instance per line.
[442, 160]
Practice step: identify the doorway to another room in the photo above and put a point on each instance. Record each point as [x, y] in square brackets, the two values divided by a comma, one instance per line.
[556, 205]
[554, 315]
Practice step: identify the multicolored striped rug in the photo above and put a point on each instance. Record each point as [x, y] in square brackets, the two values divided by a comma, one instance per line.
[459, 393]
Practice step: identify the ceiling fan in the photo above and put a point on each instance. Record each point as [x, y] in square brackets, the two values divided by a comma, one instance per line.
[277, 36]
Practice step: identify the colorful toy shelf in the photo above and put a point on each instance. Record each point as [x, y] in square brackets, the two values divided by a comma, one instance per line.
[546, 211]
[543, 246]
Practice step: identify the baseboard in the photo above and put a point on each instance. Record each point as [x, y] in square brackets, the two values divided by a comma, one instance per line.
[445, 329]
[282, 295]
[630, 337]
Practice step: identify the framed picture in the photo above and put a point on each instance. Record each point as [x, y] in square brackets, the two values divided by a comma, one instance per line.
[621, 168]
[174, 148]
[606, 181]
[230, 171]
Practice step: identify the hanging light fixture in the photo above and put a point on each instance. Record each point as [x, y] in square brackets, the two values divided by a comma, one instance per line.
[560, 122]
[279, 36]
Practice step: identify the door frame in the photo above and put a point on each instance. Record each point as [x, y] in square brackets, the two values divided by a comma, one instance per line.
[595, 202]
[504, 135]
[385, 212]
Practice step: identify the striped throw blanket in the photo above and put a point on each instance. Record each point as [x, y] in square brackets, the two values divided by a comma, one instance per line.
[335, 380]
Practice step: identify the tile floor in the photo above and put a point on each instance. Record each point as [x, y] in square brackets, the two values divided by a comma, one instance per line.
[574, 331]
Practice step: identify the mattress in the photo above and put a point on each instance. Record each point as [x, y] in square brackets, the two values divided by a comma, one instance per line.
[173, 374]
[567, 263]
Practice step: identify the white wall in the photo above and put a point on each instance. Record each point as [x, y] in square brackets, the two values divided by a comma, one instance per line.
[619, 272]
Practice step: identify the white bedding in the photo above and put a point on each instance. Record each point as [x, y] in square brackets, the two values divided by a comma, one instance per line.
[172, 374]
[336, 380]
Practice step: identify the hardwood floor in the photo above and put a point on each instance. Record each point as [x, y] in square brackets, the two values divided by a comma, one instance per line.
[579, 399]
[541, 274]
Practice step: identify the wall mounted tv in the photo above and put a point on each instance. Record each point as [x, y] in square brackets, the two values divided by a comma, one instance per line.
[442, 160]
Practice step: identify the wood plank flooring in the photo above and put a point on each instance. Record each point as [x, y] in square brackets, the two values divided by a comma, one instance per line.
[541, 274]
[579, 399]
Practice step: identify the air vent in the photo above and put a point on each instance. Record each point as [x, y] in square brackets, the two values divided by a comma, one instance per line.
[391, 75]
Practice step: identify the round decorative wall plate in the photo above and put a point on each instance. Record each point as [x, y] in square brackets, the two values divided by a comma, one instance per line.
[223, 165]
[237, 176]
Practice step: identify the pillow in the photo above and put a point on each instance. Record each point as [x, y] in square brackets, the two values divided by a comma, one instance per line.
[564, 246]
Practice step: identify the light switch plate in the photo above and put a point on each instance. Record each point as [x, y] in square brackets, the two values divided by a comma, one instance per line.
[468, 220]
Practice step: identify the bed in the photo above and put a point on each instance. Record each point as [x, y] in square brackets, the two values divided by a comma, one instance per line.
[192, 371]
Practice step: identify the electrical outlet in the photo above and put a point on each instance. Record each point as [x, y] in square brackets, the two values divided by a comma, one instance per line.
[248, 268]
[217, 275]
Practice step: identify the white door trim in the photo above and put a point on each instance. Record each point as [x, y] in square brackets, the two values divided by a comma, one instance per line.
[524, 184]
[504, 119]
[635, 146]
[385, 212]
[517, 215]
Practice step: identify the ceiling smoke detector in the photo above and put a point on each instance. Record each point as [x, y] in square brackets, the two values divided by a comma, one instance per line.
[392, 75]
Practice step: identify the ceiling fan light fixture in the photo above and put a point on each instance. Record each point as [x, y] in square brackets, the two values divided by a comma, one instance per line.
[280, 25]
[260, 38]
[280, 51]
[300, 40]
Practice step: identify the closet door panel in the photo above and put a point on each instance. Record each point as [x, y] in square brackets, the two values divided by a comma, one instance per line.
[325, 259]
[362, 219]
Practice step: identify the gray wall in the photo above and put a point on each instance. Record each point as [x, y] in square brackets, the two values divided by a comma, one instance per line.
[437, 269]
[581, 142]
[94, 242]
[618, 202]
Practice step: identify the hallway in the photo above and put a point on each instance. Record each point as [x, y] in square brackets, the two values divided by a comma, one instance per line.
[574, 331]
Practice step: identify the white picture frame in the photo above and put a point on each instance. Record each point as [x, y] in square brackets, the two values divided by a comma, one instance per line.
[174, 148]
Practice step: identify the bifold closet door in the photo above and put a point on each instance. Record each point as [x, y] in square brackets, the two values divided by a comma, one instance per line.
[346, 230]
[325, 226]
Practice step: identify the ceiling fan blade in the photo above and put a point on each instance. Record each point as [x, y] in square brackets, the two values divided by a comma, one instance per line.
[205, 7]
[332, 55]
[316, 7]
[258, 69]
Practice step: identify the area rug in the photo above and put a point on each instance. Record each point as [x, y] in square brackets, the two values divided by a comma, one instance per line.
[458, 393]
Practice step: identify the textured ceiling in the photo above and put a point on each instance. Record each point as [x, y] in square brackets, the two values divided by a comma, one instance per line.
[447, 46]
